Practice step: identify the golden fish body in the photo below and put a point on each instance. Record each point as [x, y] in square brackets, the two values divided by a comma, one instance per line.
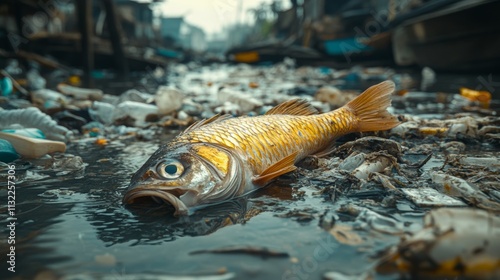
[222, 157]
[265, 140]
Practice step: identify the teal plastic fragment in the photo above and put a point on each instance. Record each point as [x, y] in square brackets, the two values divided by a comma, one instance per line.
[6, 87]
[28, 132]
[7, 152]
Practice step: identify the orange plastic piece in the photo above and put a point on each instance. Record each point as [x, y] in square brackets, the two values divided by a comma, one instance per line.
[101, 142]
[247, 57]
[481, 96]
[433, 130]
[402, 92]
[253, 85]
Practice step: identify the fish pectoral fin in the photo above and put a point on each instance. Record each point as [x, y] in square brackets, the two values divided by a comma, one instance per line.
[281, 167]
[297, 107]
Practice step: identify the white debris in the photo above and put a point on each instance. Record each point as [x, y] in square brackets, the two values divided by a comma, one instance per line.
[459, 187]
[34, 118]
[168, 100]
[375, 162]
[352, 162]
[245, 101]
[429, 197]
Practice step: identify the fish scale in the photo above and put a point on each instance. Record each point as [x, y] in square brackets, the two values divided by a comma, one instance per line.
[269, 138]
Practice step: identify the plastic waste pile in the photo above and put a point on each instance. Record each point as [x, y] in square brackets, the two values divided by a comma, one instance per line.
[443, 154]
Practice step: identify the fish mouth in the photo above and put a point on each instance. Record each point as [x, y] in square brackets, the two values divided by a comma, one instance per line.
[136, 195]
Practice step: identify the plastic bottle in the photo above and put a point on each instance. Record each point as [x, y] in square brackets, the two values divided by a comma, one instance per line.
[33, 118]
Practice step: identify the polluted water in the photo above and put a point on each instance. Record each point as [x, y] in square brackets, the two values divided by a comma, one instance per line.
[418, 201]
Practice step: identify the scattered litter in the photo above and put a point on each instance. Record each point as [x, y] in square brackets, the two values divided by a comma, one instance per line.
[438, 131]
[26, 132]
[368, 145]
[459, 187]
[34, 118]
[428, 78]
[481, 96]
[245, 102]
[102, 112]
[384, 180]
[35, 80]
[6, 86]
[334, 96]
[135, 110]
[67, 162]
[101, 142]
[352, 162]
[33, 147]
[7, 152]
[299, 215]
[106, 259]
[374, 162]
[130, 95]
[81, 93]
[168, 100]
[56, 193]
[444, 153]
[455, 242]
[369, 220]
[47, 99]
[490, 163]
[151, 276]
[345, 235]
[341, 276]
[246, 250]
[429, 197]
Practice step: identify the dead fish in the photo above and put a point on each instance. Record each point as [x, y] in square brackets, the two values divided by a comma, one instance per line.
[223, 157]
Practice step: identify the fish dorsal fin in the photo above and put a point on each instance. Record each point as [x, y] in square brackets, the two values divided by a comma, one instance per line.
[281, 167]
[217, 118]
[298, 107]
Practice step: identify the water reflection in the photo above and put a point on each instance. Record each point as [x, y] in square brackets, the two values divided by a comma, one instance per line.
[68, 215]
[141, 224]
[152, 226]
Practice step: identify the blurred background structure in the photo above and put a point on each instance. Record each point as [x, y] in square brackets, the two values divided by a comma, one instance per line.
[126, 35]
[89, 89]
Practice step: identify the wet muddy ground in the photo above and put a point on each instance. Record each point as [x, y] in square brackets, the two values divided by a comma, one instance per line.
[326, 220]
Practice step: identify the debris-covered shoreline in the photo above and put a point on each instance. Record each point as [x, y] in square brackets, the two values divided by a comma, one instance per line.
[441, 162]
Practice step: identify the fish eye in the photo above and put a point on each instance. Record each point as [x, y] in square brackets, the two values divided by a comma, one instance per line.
[170, 169]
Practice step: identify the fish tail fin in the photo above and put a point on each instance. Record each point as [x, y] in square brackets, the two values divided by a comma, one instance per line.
[370, 108]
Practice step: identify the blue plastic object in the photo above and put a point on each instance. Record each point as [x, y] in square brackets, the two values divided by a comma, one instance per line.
[7, 152]
[6, 87]
[168, 53]
[345, 46]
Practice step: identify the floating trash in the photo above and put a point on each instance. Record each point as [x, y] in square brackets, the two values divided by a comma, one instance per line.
[339, 206]
[455, 242]
[374, 162]
[243, 102]
[168, 100]
[7, 152]
[369, 220]
[34, 118]
[459, 187]
[428, 197]
[80, 93]
[29, 147]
